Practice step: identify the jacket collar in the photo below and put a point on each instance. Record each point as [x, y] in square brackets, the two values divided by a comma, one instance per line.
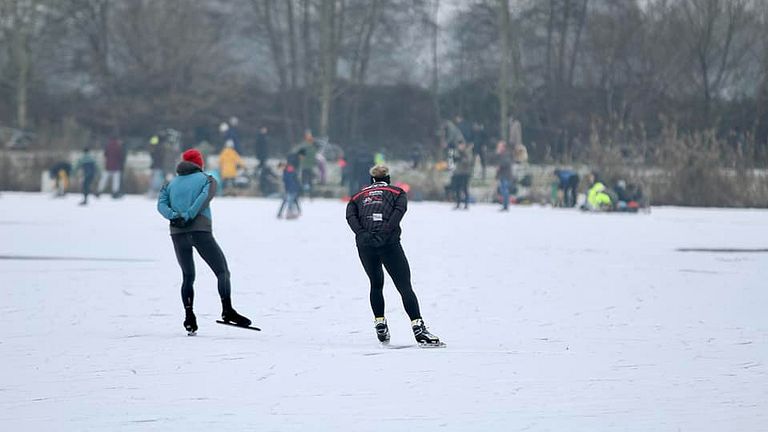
[186, 168]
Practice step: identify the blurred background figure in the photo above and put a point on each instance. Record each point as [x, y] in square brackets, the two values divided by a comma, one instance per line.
[87, 164]
[504, 173]
[598, 196]
[462, 174]
[262, 146]
[308, 162]
[480, 144]
[59, 173]
[567, 186]
[157, 165]
[114, 157]
[229, 164]
[291, 186]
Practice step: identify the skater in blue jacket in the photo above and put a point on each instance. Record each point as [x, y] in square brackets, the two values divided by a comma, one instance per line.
[185, 203]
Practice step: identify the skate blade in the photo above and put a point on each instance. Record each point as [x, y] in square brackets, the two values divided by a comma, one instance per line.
[191, 333]
[397, 347]
[250, 327]
[432, 345]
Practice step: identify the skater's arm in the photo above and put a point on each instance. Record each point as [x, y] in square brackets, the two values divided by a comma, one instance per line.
[164, 205]
[202, 200]
[401, 206]
[353, 218]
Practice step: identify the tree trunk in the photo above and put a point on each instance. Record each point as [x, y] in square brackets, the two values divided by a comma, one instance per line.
[360, 68]
[504, 35]
[278, 56]
[327, 61]
[293, 66]
[309, 81]
[22, 79]
[577, 42]
[435, 64]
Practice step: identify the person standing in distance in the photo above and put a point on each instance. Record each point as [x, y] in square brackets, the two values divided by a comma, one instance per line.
[374, 214]
[185, 203]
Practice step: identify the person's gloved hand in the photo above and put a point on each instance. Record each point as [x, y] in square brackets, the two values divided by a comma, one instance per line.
[178, 222]
[364, 238]
[370, 239]
[377, 240]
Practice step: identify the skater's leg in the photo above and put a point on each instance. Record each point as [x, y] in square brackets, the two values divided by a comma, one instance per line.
[211, 253]
[465, 189]
[296, 203]
[115, 182]
[504, 186]
[87, 181]
[394, 260]
[103, 178]
[283, 204]
[182, 245]
[372, 264]
[456, 182]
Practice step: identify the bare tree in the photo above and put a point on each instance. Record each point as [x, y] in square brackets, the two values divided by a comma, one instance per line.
[266, 12]
[331, 26]
[504, 72]
[21, 22]
[714, 40]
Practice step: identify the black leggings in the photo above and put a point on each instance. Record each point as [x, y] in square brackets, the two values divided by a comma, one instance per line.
[394, 260]
[87, 180]
[210, 251]
[461, 189]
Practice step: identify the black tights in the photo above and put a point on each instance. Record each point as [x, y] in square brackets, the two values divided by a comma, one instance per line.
[394, 260]
[461, 189]
[210, 251]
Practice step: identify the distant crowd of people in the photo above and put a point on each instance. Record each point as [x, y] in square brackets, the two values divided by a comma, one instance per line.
[465, 145]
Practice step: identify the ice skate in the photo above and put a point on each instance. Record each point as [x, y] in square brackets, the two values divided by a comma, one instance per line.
[230, 316]
[190, 323]
[423, 336]
[382, 330]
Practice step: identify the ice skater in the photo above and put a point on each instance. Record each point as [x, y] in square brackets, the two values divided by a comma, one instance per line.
[185, 203]
[88, 165]
[291, 187]
[374, 214]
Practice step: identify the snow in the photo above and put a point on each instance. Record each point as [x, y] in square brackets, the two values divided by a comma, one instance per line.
[555, 321]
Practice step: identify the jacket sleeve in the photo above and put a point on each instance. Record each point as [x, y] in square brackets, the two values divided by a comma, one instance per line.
[164, 204]
[401, 206]
[353, 218]
[203, 199]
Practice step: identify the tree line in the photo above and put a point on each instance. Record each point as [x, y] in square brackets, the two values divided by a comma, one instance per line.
[381, 74]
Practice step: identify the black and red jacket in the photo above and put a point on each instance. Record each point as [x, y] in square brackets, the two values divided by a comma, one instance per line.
[378, 209]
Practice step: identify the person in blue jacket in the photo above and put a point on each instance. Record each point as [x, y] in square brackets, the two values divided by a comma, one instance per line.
[567, 185]
[291, 186]
[185, 203]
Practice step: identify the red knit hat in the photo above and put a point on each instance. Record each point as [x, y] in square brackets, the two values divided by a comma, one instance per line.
[194, 156]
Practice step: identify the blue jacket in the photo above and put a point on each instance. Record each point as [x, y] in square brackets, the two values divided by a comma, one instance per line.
[188, 196]
[564, 176]
[291, 180]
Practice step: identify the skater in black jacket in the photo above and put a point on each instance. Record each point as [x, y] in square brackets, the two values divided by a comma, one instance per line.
[374, 214]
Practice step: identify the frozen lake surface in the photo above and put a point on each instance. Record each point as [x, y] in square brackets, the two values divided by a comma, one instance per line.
[555, 321]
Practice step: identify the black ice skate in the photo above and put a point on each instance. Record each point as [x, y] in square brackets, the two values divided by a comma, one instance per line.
[382, 330]
[230, 316]
[423, 336]
[190, 323]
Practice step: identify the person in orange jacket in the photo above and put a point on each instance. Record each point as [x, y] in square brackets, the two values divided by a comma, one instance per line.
[229, 163]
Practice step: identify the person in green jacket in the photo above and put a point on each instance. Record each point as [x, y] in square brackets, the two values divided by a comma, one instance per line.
[598, 198]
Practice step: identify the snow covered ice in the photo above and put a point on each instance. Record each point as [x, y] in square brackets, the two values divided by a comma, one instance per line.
[555, 320]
